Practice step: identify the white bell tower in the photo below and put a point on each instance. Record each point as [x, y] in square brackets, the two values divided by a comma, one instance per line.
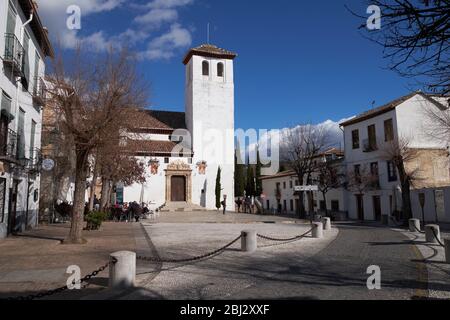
[209, 99]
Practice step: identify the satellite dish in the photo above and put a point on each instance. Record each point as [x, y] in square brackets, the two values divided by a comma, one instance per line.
[48, 164]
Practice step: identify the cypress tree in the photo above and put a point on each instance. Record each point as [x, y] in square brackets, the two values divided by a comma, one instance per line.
[258, 186]
[218, 189]
[239, 179]
[250, 188]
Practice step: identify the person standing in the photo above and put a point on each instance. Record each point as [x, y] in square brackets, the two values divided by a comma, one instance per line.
[224, 204]
[239, 203]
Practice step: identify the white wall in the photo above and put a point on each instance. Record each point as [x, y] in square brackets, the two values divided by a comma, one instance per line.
[25, 102]
[210, 119]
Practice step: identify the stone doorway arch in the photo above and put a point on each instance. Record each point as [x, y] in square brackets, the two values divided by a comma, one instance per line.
[176, 170]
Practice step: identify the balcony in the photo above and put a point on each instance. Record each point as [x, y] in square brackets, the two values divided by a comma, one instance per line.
[9, 150]
[39, 91]
[13, 56]
[33, 164]
[369, 146]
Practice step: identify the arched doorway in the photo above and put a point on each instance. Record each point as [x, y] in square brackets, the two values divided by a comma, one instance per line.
[178, 189]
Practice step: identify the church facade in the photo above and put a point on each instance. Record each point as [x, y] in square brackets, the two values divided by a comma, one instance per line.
[181, 172]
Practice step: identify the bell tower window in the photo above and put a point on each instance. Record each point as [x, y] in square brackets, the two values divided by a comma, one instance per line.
[220, 69]
[205, 68]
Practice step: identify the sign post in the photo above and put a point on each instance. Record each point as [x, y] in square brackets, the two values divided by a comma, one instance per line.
[422, 205]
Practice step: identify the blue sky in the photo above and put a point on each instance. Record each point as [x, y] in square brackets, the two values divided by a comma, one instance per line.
[298, 61]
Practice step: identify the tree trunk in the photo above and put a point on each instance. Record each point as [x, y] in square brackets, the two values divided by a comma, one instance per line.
[105, 190]
[76, 227]
[406, 192]
[302, 210]
[93, 184]
[324, 194]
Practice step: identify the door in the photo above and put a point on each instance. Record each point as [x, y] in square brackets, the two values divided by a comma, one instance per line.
[178, 189]
[360, 206]
[12, 212]
[440, 208]
[377, 207]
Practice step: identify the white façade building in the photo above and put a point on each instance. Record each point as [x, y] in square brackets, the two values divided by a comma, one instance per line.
[280, 196]
[185, 179]
[365, 137]
[24, 45]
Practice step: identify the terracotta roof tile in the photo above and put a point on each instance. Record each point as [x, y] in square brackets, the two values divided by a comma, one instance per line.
[209, 50]
[151, 147]
[162, 120]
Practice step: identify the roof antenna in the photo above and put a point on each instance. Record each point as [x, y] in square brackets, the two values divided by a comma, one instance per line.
[207, 34]
[373, 104]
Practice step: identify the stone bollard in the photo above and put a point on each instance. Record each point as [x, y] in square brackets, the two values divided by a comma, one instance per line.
[122, 273]
[317, 232]
[430, 235]
[326, 223]
[248, 241]
[447, 249]
[414, 225]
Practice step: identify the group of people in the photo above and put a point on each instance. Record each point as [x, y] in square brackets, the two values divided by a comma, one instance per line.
[129, 211]
[247, 204]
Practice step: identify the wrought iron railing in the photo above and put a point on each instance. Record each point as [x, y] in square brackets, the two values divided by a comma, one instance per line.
[9, 146]
[39, 91]
[14, 52]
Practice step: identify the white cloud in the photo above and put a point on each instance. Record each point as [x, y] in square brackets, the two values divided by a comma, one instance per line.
[163, 46]
[156, 17]
[157, 14]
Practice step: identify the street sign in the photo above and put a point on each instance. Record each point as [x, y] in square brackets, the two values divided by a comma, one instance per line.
[306, 188]
[48, 164]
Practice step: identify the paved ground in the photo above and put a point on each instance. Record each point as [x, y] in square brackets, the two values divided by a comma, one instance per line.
[37, 260]
[330, 268]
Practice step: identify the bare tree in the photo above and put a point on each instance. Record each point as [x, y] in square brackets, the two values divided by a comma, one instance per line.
[399, 152]
[329, 177]
[298, 149]
[438, 124]
[415, 36]
[95, 95]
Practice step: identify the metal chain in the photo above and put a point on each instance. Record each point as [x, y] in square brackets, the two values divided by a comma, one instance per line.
[418, 230]
[64, 288]
[286, 240]
[220, 250]
[437, 238]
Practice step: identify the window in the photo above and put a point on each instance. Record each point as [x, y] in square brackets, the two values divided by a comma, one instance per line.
[388, 130]
[374, 169]
[291, 204]
[33, 132]
[25, 60]
[357, 173]
[220, 69]
[284, 184]
[335, 205]
[392, 172]
[166, 160]
[11, 21]
[290, 184]
[205, 68]
[21, 135]
[355, 139]
[371, 132]
[284, 205]
[3, 134]
[322, 205]
[268, 204]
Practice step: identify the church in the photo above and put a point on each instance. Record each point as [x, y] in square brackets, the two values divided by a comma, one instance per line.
[184, 179]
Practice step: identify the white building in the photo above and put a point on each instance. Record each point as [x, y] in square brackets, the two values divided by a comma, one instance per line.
[185, 179]
[279, 195]
[24, 44]
[365, 137]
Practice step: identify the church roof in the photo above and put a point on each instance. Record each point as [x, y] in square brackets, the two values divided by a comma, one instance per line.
[162, 120]
[152, 147]
[209, 50]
